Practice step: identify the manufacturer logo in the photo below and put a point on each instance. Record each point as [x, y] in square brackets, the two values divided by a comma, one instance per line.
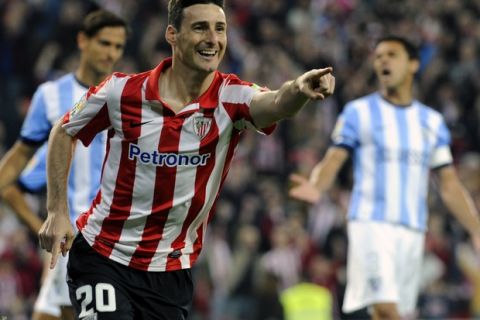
[138, 124]
[201, 126]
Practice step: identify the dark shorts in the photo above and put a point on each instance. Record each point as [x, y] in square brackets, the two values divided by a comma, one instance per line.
[104, 289]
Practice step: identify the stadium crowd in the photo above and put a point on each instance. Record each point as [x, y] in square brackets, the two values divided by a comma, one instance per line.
[260, 242]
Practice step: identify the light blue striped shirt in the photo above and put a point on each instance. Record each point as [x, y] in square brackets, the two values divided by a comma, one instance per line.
[50, 102]
[393, 150]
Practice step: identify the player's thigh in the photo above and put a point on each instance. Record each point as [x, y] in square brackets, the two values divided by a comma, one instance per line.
[409, 264]
[162, 295]
[94, 288]
[371, 269]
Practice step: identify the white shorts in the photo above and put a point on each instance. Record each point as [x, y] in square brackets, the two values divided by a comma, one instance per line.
[54, 291]
[384, 265]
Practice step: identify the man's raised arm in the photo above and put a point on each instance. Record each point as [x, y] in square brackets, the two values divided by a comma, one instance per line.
[271, 106]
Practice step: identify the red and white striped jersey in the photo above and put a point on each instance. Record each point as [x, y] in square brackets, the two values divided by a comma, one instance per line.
[162, 171]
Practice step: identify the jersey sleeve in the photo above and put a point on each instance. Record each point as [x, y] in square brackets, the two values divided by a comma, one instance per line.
[346, 133]
[36, 126]
[441, 155]
[33, 178]
[236, 96]
[89, 116]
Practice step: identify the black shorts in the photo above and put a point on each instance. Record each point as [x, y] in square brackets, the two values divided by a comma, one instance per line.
[101, 288]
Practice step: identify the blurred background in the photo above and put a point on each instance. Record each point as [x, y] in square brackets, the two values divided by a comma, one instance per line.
[260, 242]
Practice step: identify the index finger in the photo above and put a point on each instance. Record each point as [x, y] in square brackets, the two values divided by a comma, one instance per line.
[55, 251]
[321, 72]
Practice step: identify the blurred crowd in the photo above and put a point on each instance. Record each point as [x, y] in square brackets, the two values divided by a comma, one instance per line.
[261, 244]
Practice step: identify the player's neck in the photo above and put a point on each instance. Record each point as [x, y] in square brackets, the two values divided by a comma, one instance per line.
[89, 77]
[183, 87]
[399, 97]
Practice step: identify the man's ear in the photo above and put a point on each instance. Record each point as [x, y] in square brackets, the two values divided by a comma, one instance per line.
[82, 40]
[414, 65]
[171, 35]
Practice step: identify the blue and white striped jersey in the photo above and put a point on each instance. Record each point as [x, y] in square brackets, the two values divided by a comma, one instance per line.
[50, 102]
[393, 150]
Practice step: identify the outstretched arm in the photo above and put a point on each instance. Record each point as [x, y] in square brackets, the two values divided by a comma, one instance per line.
[271, 106]
[460, 203]
[57, 232]
[322, 177]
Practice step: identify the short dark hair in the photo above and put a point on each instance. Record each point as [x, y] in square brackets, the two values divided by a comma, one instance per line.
[175, 9]
[99, 19]
[411, 49]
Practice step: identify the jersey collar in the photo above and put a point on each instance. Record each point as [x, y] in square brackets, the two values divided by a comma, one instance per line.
[208, 100]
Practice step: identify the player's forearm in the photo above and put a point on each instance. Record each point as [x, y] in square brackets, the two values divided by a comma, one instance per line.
[14, 161]
[272, 106]
[461, 205]
[289, 99]
[60, 150]
[325, 172]
[14, 198]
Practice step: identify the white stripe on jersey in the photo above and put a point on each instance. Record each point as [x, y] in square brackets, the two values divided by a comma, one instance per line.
[417, 183]
[236, 93]
[52, 101]
[364, 164]
[393, 171]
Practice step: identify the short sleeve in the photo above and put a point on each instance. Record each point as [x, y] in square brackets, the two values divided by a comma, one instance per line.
[36, 126]
[236, 97]
[89, 116]
[346, 133]
[442, 155]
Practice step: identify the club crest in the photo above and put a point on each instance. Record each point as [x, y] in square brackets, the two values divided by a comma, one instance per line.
[201, 126]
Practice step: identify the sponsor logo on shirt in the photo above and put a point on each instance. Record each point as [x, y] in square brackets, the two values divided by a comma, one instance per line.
[166, 159]
[411, 157]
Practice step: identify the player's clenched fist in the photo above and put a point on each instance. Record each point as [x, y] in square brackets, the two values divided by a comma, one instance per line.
[316, 84]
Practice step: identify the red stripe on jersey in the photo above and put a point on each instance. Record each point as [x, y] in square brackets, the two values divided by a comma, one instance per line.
[202, 175]
[100, 122]
[83, 218]
[197, 246]
[162, 195]
[131, 110]
[241, 110]
[228, 159]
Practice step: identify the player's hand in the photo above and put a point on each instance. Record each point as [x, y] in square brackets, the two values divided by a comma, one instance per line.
[476, 242]
[303, 189]
[56, 235]
[316, 84]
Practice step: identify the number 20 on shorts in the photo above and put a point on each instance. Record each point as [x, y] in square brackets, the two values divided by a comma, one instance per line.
[84, 295]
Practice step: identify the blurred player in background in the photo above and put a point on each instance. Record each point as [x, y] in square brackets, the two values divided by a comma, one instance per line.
[394, 141]
[172, 134]
[101, 41]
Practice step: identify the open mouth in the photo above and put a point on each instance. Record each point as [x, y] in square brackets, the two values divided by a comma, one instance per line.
[386, 72]
[207, 53]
